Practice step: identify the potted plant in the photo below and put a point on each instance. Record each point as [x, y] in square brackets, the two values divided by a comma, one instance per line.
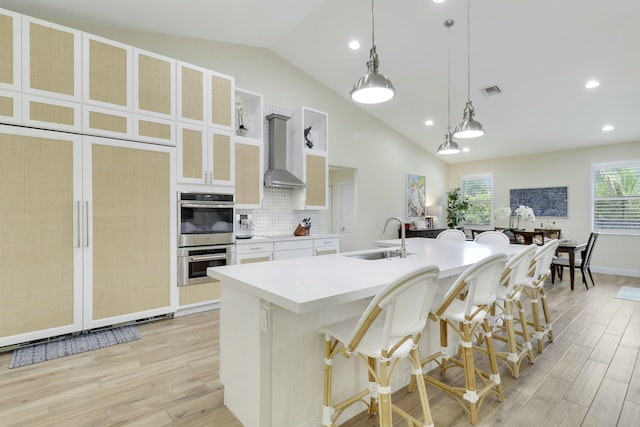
[457, 207]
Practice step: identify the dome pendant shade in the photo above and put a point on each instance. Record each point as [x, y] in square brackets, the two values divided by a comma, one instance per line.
[449, 146]
[372, 87]
[468, 128]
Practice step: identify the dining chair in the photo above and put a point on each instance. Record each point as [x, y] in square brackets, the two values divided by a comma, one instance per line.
[509, 322]
[452, 234]
[465, 310]
[583, 263]
[387, 332]
[494, 238]
[533, 288]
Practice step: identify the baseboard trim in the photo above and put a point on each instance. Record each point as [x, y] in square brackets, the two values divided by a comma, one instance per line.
[627, 272]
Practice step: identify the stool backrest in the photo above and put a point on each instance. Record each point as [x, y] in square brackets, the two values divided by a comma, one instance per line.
[452, 234]
[517, 269]
[479, 282]
[405, 305]
[494, 238]
[542, 261]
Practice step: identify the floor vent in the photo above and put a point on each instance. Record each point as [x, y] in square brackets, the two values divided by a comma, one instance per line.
[491, 91]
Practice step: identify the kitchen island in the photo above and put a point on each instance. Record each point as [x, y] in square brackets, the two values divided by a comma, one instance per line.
[271, 355]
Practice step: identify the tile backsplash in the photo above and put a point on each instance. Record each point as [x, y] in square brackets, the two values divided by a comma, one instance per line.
[277, 218]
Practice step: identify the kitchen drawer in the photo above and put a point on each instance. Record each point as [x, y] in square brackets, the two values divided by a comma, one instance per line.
[287, 245]
[253, 247]
[323, 243]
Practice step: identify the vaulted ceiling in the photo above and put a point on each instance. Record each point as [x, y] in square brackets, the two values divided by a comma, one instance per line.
[540, 53]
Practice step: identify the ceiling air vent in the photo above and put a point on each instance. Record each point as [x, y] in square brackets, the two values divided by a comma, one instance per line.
[491, 91]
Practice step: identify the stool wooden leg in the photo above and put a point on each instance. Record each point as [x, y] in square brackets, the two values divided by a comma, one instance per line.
[526, 338]
[418, 378]
[493, 361]
[547, 318]
[384, 396]
[470, 394]
[327, 409]
[373, 403]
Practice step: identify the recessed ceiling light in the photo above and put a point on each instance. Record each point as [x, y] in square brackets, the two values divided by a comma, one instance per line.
[354, 44]
[592, 84]
[607, 128]
[428, 122]
[438, 1]
[465, 149]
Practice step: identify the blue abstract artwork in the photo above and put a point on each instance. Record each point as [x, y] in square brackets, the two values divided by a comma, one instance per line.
[548, 201]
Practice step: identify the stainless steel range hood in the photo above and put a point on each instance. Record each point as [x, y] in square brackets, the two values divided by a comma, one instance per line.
[278, 175]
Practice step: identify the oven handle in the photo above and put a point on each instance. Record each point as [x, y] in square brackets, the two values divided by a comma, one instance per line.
[204, 205]
[197, 258]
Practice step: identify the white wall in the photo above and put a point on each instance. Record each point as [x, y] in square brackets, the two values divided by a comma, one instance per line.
[356, 139]
[572, 168]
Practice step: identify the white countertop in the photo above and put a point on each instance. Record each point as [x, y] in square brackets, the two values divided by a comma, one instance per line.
[303, 285]
[285, 237]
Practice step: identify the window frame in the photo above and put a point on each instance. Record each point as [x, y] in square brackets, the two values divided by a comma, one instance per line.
[635, 164]
[488, 175]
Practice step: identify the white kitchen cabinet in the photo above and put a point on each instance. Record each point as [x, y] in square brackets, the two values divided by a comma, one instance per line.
[221, 90]
[51, 75]
[287, 249]
[107, 81]
[129, 233]
[40, 193]
[107, 73]
[326, 246]
[310, 158]
[192, 89]
[153, 97]
[102, 213]
[10, 107]
[205, 155]
[249, 150]
[249, 251]
[10, 51]
[51, 65]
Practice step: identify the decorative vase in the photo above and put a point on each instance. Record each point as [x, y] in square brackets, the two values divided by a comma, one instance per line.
[514, 222]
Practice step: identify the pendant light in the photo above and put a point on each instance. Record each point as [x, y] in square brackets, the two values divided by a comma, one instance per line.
[372, 87]
[449, 146]
[468, 128]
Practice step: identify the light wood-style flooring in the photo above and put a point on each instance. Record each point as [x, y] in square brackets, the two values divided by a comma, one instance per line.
[589, 376]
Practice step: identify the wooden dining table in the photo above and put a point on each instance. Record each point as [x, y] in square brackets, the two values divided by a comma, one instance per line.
[571, 248]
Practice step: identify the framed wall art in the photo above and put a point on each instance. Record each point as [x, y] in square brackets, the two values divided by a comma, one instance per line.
[547, 201]
[416, 196]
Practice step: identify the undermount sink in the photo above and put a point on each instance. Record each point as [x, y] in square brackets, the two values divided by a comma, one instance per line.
[372, 256]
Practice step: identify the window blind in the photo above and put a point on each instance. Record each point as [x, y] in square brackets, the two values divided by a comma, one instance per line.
[616, 197]
[478, 189]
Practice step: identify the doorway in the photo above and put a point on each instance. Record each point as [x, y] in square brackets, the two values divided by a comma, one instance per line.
[343, 206]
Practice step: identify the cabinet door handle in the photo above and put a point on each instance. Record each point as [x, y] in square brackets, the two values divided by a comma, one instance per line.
[86, 223]
[79, 223]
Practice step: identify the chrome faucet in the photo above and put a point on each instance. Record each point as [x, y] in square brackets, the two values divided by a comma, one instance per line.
[403, 248]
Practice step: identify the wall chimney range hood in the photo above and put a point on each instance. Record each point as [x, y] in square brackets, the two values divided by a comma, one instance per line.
[278, 175]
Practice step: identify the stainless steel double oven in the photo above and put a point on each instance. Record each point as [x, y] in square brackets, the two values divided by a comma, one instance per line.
[205, 235]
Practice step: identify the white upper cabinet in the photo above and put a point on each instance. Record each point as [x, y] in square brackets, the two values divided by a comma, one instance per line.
[51, 63]
[154, 84]
[193, 87]
[310, 158]
[10, 66]
[107, 73]
[107, 87]
[221, 101]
